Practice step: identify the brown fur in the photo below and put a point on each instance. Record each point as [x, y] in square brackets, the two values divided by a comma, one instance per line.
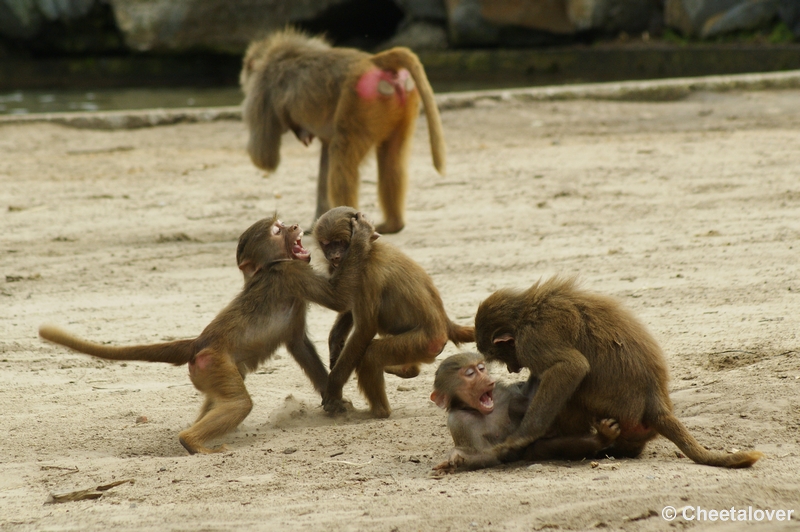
[270, 311]
[594, 360]
[395, 299]
[295, 82]
[462, 381]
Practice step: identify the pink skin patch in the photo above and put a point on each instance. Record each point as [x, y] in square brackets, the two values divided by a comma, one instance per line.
[200, 363]
[634, 430]
[376, 83]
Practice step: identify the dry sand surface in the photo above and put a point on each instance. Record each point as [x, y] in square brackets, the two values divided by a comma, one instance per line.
[688, 211]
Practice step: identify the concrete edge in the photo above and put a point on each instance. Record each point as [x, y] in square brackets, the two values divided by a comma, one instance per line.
[131, 119]
[651, 90]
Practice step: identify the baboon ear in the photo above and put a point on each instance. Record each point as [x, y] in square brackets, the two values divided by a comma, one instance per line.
[505, 337]
[375, 236]
[249, 268]
[439, 398]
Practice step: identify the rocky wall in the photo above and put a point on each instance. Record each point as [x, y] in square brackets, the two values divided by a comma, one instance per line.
[228, 25]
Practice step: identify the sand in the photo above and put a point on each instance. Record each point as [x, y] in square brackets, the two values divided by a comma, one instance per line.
[687, 211]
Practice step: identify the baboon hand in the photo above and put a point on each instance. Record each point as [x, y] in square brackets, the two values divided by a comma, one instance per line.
[607, 430]
[362, 228]
[335, 406]
[456, 459]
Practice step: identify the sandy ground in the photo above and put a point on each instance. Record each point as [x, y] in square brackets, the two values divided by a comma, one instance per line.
[687, 211]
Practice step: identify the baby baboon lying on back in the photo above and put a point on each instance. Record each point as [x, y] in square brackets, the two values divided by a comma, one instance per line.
[482, 413]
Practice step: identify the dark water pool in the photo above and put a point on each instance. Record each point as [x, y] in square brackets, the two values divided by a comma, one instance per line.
[58, 101]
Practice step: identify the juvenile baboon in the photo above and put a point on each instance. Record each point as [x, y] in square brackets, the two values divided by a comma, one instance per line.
[594, 360]
[393, 298]
[351, 101]
[269, 312]
[482, 413]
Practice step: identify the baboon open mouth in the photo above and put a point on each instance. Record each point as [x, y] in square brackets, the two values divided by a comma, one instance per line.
[487, 400]
[299, 252]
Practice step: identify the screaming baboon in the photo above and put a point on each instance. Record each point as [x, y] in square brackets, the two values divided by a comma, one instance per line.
[351, 101]
[394, 298]
[595, 360]
[268, 312]
[482, 413]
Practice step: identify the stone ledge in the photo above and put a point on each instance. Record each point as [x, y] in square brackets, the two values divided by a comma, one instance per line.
[652, 90]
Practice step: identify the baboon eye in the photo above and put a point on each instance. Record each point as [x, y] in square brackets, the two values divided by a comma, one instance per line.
[469, 372]
[276, 229]
[481, 367]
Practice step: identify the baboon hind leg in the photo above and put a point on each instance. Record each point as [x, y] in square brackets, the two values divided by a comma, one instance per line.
[405, 350]
[227, 401]
[392, 176]
[323, 205]
[345, 153]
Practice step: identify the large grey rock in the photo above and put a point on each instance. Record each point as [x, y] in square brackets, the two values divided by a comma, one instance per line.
[430, 10]
[748, 15]
[611, 16]
[467, 26]
[221, 25]
[488, 22]
[545, 15]
[419, 35]
[24, 18]
[789, 11]
[706, 18]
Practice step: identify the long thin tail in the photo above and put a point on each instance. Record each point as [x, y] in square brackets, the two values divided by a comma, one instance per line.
[400, 57]
[459, 334]
[179, 352]
[670, 427]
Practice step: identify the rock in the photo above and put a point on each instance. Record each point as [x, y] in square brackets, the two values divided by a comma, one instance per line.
[479, 21]
[789, 11]
[423, 27]
[489, 22]
[22, 19]
[219, 25]
[545, 15]
[706, 18]
[508, 22]
[419, 35]
[748, 15]
[467, 26]
[431, 10]
[612, 16]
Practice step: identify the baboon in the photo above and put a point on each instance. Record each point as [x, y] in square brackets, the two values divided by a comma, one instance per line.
[351, 101]
[482, 413]
[395, 299]
[270, 311]
[594, 360]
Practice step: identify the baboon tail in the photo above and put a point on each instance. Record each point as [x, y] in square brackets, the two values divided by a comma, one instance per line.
[670, 427]
[459, 334]
[178, 352]
[400, 57]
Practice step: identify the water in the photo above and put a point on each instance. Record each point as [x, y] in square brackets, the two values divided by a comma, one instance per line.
[59, 101]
